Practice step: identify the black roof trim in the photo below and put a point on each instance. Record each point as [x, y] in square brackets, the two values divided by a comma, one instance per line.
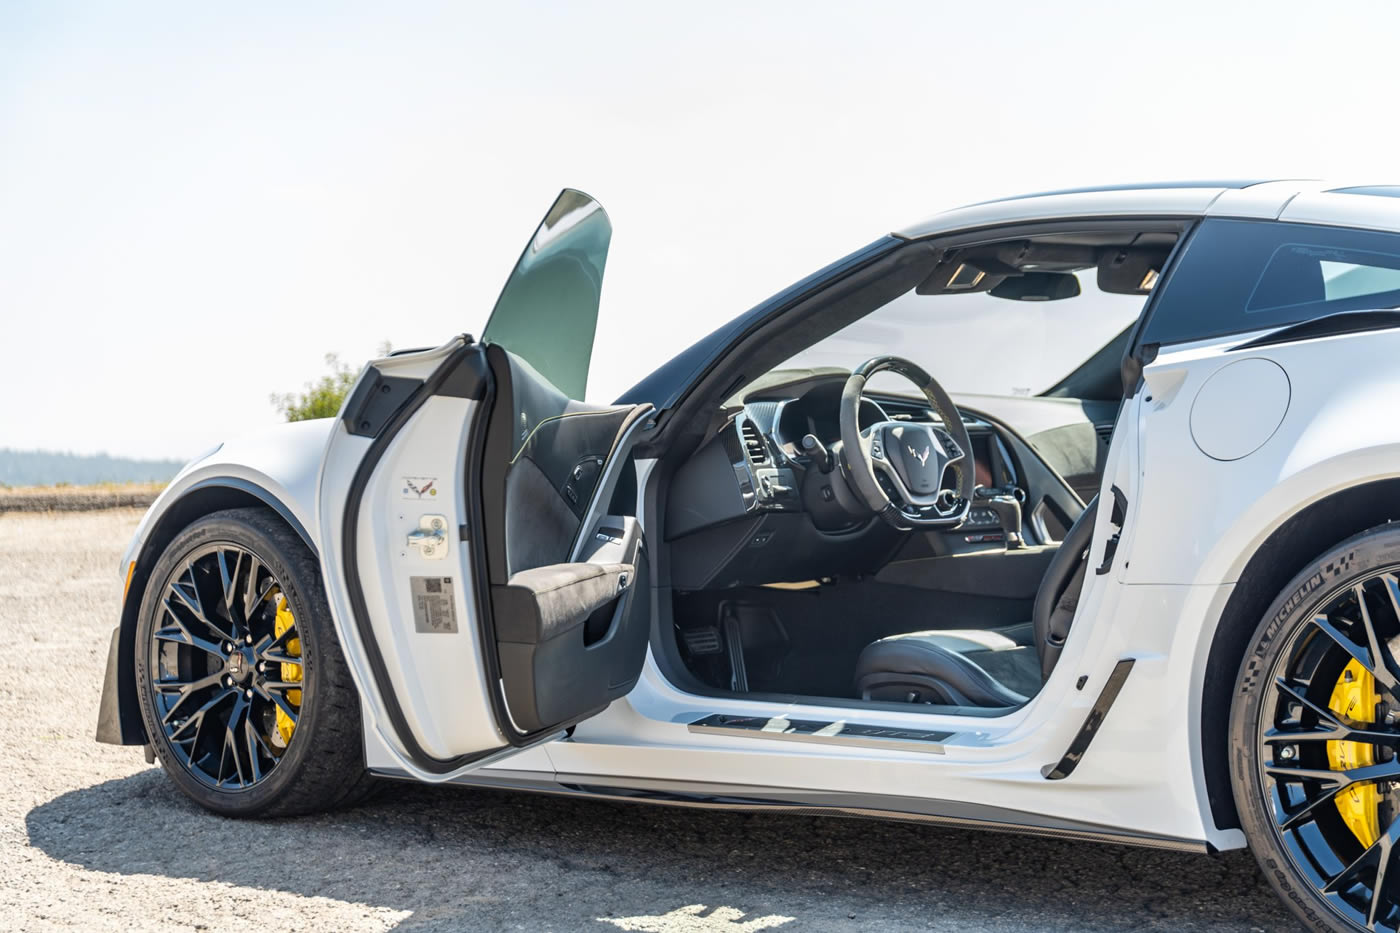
[1380, 191]
[1329, 325]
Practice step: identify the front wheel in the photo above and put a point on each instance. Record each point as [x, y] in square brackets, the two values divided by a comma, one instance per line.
[243, 689]
[1315, 731]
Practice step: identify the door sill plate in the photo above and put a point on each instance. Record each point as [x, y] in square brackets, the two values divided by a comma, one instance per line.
[820, 732]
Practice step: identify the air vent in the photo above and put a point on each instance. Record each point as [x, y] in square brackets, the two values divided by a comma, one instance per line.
[1104, 431]
[753, 442]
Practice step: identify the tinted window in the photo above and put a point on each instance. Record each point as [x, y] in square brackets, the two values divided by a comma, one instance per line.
[548, 310]
[1238, 276]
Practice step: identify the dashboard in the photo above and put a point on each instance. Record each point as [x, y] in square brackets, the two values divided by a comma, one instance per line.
[750, 506]
[818, 413]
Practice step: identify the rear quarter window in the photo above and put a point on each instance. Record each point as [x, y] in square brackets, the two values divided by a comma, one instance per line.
[1237, 276]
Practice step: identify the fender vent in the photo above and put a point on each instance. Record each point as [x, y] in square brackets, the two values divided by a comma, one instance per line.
[1104, 431]
[753, 442]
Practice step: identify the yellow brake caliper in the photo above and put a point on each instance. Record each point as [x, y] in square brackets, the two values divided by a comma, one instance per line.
[1354, 696]
[290, 672]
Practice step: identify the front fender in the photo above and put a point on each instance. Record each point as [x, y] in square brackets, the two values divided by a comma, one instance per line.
[277, 468]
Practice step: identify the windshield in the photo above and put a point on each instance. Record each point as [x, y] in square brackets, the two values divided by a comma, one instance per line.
[981, 344]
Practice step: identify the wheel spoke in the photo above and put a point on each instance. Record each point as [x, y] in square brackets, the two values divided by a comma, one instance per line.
[1370, 658]
[255, 595]
[1333, 783]
[187, 600]
[229, 589]
[276, 695]
[1332, 726]
[253, 741]
[1379, 854]
[186, 691]
[186, 686]
[1382, 670]
[197, 717]
[181, 635]
[276, 650]
[1391, 583]
[1379, 893]
[236, 720]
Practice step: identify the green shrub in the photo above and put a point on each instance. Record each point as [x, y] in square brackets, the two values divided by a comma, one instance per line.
[322, 398]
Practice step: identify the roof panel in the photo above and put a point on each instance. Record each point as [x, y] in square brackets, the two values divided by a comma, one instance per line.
[1139, 186]
[1380, 191]
[1159, 201]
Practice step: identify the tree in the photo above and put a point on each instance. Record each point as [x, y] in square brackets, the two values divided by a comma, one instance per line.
[322, 398]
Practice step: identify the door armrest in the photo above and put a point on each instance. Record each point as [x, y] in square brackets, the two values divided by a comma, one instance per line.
[542, 603]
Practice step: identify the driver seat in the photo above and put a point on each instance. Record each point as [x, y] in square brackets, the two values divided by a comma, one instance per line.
[986, 669]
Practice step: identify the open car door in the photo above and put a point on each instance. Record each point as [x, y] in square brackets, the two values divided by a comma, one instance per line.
[479, 545]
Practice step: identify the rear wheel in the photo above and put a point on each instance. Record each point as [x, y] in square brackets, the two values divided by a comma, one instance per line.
[244, 692]
[1315, 731]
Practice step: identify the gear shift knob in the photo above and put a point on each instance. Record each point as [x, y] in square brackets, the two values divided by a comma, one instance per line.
[1008, 510]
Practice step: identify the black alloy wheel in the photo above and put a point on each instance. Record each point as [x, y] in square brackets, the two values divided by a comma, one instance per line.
[227, 661]
[1316, 738]
[244, 692]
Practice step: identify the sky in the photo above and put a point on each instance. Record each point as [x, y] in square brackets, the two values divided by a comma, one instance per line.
[199, 201]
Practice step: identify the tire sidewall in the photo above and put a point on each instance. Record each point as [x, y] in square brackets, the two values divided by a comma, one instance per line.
[1360, 557]
[307, 602]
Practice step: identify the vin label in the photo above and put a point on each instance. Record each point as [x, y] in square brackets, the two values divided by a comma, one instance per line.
[434, 608]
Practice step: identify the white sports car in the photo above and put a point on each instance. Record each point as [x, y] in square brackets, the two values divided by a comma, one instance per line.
[1066, 514]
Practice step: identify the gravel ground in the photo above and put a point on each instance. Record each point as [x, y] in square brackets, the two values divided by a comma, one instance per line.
[92, 838]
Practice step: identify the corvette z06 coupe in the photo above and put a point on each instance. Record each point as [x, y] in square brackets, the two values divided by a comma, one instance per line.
[1070, 514]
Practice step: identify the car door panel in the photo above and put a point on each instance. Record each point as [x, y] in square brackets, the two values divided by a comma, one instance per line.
[380, 489]
[570, 635]
[456, 493]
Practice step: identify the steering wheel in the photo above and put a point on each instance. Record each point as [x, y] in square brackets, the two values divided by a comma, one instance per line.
[913, 457]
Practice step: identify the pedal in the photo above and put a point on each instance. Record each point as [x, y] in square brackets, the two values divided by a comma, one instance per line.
[702, 640]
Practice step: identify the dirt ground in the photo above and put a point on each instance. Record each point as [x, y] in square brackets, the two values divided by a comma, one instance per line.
[78, 498]
[92, 838]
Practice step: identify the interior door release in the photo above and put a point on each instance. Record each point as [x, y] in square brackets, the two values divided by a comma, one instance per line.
[431, 537]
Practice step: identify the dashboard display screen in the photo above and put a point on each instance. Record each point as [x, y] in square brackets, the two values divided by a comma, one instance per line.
[982, 457]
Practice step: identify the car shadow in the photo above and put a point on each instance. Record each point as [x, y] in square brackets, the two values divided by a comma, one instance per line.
[469, 859]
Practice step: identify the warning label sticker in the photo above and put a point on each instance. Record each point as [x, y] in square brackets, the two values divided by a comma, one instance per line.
[434, 608]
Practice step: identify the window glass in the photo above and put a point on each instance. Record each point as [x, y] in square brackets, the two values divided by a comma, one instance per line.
[1352, 280]
[548, 311]
[981, 344]
[1238, 276]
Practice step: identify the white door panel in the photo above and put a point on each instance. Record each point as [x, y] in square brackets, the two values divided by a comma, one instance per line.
[432, 662]
[433, 658]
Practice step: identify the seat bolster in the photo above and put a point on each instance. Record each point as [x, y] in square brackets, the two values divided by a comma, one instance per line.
[919, 660]
[544, 602]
